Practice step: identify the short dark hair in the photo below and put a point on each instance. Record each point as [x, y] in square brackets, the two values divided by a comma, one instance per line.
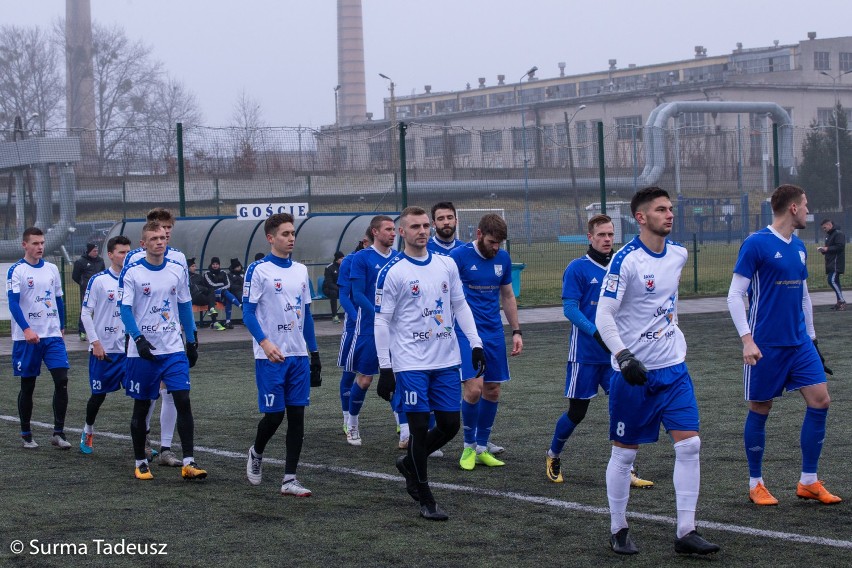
[646, 195]
[376, 223]
[443, 205]
[338, 255]
[826, 220]
[494, 226]
[117, 240]
[784, 195]
[151, 227]
[599, 219]
[275, 221]
[32, 232]
[160, 214]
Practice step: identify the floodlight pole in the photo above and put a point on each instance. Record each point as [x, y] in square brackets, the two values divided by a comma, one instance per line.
[528, 74]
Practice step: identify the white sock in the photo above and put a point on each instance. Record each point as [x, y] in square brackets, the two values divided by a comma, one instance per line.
[346, 417]
[471, 446]
[168, 419]
[753, 481]
[551, 454]
[404, 431]
[353, 421]
[396, 417]
[289, 477]
[687, 480]
[140, 462]
[188, 460]
[89, 428]
[480, 449]
[808, 478]
[618, 486]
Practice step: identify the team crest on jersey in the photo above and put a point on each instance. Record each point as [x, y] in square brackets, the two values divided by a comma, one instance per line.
[414, 286]
[650, 285]
[110, 296]
[146, 290]
[173, 291]
[30, 282]
[498, 269]
[445, 287]
[802, 256]
[278, 286]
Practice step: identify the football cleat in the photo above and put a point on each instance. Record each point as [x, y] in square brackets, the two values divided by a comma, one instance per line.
[410, 479]
[345, 428]
[143, 472]
[86, 443]
[760, 495]
[437, 454]
[816, 491]
[294, 489]
[636, 481]
[28, 443]
[621, 543]
[494, 449]
[353, 436]
[228, 324]
[191, 471]
[432, 512]
[169, 458]
[485, 458]
[468, 459]
[217, 326]
[554, 469]
[254, 467]
[213, 312]
[694, 543]
[58, 440]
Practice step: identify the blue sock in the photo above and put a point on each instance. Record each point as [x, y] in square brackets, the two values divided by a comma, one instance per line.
[754, 437]
[563, 430]
[487, 414]
[346, 381]
[470, 416]
[356, 399]
[813, 434]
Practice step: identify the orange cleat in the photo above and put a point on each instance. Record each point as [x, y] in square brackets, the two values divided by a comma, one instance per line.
[760, 495]
[818, 492]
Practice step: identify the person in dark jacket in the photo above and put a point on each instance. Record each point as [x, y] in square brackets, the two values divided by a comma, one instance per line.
[218, 281]
[329, 285]
[835, 259]
[235, 274]
[200, 292]
[85, 267]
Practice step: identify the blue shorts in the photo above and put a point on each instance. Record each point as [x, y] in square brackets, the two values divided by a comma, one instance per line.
[583, 379]
[280, 385]
[344, 355]
[496, 362]
[436, 389]
[364, 359]
[780, 369]
[106, 377]
[27, 357]
[635, 413]
[142, 377]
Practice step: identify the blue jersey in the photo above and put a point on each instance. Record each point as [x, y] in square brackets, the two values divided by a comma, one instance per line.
[777, 268]
[437, 245]
[346, 287]
[581, 281]
[365, 267]
[481, 280]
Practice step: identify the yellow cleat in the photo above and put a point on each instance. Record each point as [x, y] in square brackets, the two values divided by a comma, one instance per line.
[486, 458]
[818, 492]
[761, 496]
[554, 469]
[143, 472]
[191, 471]
[636, 481]
[468, 459]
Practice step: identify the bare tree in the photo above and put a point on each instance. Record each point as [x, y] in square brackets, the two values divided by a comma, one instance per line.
[247, 118]
[173, 103]
[30, 78]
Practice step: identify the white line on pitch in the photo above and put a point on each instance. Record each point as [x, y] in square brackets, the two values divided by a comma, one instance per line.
[739, 529]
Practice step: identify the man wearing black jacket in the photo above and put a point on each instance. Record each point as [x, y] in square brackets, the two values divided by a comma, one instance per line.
[835, 259]
[85, 267]
[329, 285]
[218, 281]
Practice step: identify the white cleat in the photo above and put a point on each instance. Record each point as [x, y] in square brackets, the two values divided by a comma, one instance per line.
[353, 436]
[295, 489]
[254, 467]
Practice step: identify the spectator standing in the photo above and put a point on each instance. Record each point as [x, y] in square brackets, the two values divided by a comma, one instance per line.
[834, 252]
[329, 284]
[85, 267]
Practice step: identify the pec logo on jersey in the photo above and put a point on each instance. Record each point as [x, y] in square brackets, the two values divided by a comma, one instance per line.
[498, 269]
[30, 282]
[802, 257]
[445, 287]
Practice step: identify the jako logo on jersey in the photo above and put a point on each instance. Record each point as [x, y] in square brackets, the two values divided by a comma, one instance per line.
[445, 287]
[498, 269]
[30, 282]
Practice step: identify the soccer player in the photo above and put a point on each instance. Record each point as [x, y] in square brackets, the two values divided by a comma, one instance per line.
[363, 271]
[485, 270]
[779, 342]
[419, 297]
[102, 321]
[168, 413]
[35, 295]
[834, 252]
[588, 358]
[150, 290]
[445, 221]
[637, 319]
[277, 302]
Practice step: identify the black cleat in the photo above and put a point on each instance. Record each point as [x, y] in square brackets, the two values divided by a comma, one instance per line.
[621, 544]
[694, 543]
[410, 479]
[432, 512]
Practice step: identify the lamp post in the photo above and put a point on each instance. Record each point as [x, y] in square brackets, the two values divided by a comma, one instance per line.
[337, 126]
[392, 116]
[834, 81]
[568, 120]
[529, 73]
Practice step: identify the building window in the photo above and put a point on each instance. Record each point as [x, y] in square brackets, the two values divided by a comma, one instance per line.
[433, 146]
[492, 141]
[845, 61]
[474, 103]
[581, 142]
[339, 155]
[825, 116]
[403, 111]
[443, 107]
[532, 95]
[626, 125]
[424, 109]
[460, 144]
[692, 123]
[822, 61]
[379, 152]
[501, 99]
[518, 138]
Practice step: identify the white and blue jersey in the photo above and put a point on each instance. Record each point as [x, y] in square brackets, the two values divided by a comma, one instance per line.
[39, 287]
[172, 253]
[364, 271]
[281, 291]
[777, 269]
[645, 285]
[437, 245]
[153, 294]
[481, 280]
[101, 299]
[581, 281]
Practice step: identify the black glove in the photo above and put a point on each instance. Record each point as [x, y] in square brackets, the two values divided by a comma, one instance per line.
[632, 369]
[387, 384]
[827, 370]
[192, 352]
[144, 347]
[599, 339]
[477, 358]
[316, 369]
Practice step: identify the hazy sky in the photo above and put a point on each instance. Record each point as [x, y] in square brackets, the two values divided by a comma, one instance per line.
[284, 52]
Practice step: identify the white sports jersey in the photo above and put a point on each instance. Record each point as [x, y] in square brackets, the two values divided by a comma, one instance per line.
[646, 286]
[419, 296]
[281, 290]
[154, 293]
[174, 254]
[102, 300]
[39, 285]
